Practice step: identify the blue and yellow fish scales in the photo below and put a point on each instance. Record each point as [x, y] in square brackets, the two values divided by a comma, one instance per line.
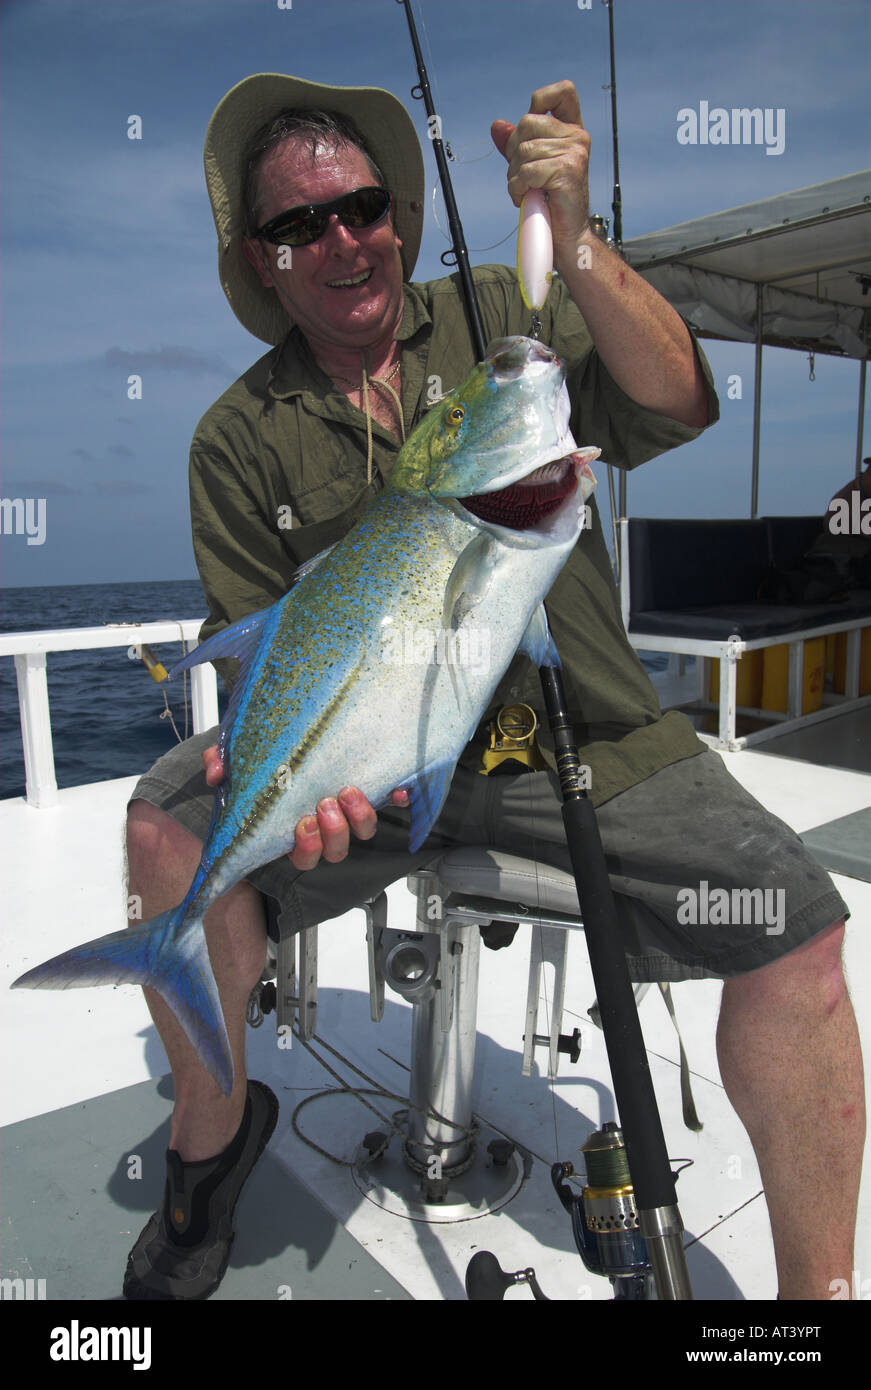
[376, 667]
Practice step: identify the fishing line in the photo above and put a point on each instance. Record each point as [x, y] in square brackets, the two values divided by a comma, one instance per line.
[394, 1124]
[167, 712]
[512, 231]
[548, 1013]
[432, 66]
[606, 93]
[455, 159]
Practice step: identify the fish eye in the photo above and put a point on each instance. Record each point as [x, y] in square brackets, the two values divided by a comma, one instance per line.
[456, 415]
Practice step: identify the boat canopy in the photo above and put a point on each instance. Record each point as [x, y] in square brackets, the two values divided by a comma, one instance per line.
[792, 271]
[801, 259]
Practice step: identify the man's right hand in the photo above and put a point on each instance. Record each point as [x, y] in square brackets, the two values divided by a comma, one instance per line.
[327, 834]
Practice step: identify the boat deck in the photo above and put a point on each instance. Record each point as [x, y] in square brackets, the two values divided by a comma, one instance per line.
[87, 1094]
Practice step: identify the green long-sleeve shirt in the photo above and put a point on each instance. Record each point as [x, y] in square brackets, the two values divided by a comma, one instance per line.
[278, 473]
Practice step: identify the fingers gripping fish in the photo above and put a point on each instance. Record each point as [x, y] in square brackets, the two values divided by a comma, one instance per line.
[419, 608]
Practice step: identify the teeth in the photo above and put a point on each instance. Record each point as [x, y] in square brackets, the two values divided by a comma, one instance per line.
[552, 472]
[356, 280]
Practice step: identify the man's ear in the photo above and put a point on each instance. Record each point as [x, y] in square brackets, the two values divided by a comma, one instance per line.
[254, 254]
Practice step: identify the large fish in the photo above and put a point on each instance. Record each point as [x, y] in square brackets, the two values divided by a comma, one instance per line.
[377, 666]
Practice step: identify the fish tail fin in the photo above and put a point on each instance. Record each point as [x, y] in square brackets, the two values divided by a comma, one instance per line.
[167, 954]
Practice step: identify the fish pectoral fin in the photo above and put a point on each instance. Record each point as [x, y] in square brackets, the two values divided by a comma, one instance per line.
[468, 585]
[537, 642]
[470, 580]
[427, 792]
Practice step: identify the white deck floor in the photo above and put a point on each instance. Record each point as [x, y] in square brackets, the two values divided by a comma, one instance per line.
[63, 884]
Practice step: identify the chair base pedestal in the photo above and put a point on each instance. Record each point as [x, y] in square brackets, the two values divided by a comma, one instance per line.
[483, 1187]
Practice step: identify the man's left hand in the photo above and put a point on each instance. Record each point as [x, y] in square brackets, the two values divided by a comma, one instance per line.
[550, 149]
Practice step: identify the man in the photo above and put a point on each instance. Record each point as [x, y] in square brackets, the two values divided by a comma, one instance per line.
[860, 485]
[315, 264]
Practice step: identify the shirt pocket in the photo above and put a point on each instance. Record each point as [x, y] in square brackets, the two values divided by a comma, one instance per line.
[302, 542]
[319, 466]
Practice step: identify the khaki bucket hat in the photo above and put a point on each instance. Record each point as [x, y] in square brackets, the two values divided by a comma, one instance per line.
[384, 124]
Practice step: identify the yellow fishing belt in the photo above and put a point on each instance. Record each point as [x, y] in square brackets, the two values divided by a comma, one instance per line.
[512, 739]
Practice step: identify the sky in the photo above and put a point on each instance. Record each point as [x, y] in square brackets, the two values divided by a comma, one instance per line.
[107, 248]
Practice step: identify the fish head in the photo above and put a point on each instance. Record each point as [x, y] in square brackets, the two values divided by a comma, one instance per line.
[503, 435]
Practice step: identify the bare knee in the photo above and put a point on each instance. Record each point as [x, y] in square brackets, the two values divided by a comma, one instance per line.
[154, 838]
[809, 978]
[162, 857]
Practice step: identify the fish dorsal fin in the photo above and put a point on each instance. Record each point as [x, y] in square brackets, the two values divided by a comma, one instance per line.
[427, 792]
[537, 642]
[306, 568]
[241, 640]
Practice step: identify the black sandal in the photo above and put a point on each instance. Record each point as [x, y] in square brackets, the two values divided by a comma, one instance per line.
[184, 1250]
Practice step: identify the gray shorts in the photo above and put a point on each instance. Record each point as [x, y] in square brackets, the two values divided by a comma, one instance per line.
[708, 884]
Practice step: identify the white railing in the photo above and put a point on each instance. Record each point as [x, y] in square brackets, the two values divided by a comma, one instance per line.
[729, 650]
[30, 649]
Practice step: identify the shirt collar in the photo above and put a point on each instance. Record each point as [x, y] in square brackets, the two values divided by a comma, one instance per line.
[295, 370]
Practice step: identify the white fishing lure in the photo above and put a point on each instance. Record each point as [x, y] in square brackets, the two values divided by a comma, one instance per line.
[534, 249]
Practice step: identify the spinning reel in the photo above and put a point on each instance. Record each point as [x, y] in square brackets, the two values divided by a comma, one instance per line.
[604, 1224]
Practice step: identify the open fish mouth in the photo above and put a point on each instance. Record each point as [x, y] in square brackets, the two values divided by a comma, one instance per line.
[552, 493]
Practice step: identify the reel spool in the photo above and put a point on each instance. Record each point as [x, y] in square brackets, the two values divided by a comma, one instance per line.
[605, 1217]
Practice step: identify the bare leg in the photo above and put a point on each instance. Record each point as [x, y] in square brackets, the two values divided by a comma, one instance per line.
[162, 858]
[790, 1059]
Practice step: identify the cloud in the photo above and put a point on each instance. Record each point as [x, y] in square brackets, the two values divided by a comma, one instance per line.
[120, 451]
[168, 359]
[84, 455]
[122, 488]
[37, 487]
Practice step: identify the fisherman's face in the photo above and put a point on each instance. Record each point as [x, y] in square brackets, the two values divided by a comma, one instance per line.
[328, 313]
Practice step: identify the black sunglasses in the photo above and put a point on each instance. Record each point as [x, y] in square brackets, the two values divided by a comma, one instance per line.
[301, 226]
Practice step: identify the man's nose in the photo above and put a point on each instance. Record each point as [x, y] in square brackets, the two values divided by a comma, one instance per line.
[337, 234]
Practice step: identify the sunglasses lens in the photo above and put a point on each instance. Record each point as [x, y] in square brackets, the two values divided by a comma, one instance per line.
[364, 207]
[297, 228]
[302, 226]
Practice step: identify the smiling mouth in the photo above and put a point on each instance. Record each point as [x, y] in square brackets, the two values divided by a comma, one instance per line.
[524, 505]
[350, 282]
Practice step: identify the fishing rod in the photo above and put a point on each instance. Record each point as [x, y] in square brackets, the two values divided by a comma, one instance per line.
[617, 196]
[655, 1198]
[617, 228]
[458, 248]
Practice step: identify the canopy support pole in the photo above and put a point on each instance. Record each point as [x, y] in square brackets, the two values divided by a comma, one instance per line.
[860, 425]
[757, 404]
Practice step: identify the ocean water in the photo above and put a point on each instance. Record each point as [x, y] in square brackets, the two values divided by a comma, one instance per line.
[107, 714]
